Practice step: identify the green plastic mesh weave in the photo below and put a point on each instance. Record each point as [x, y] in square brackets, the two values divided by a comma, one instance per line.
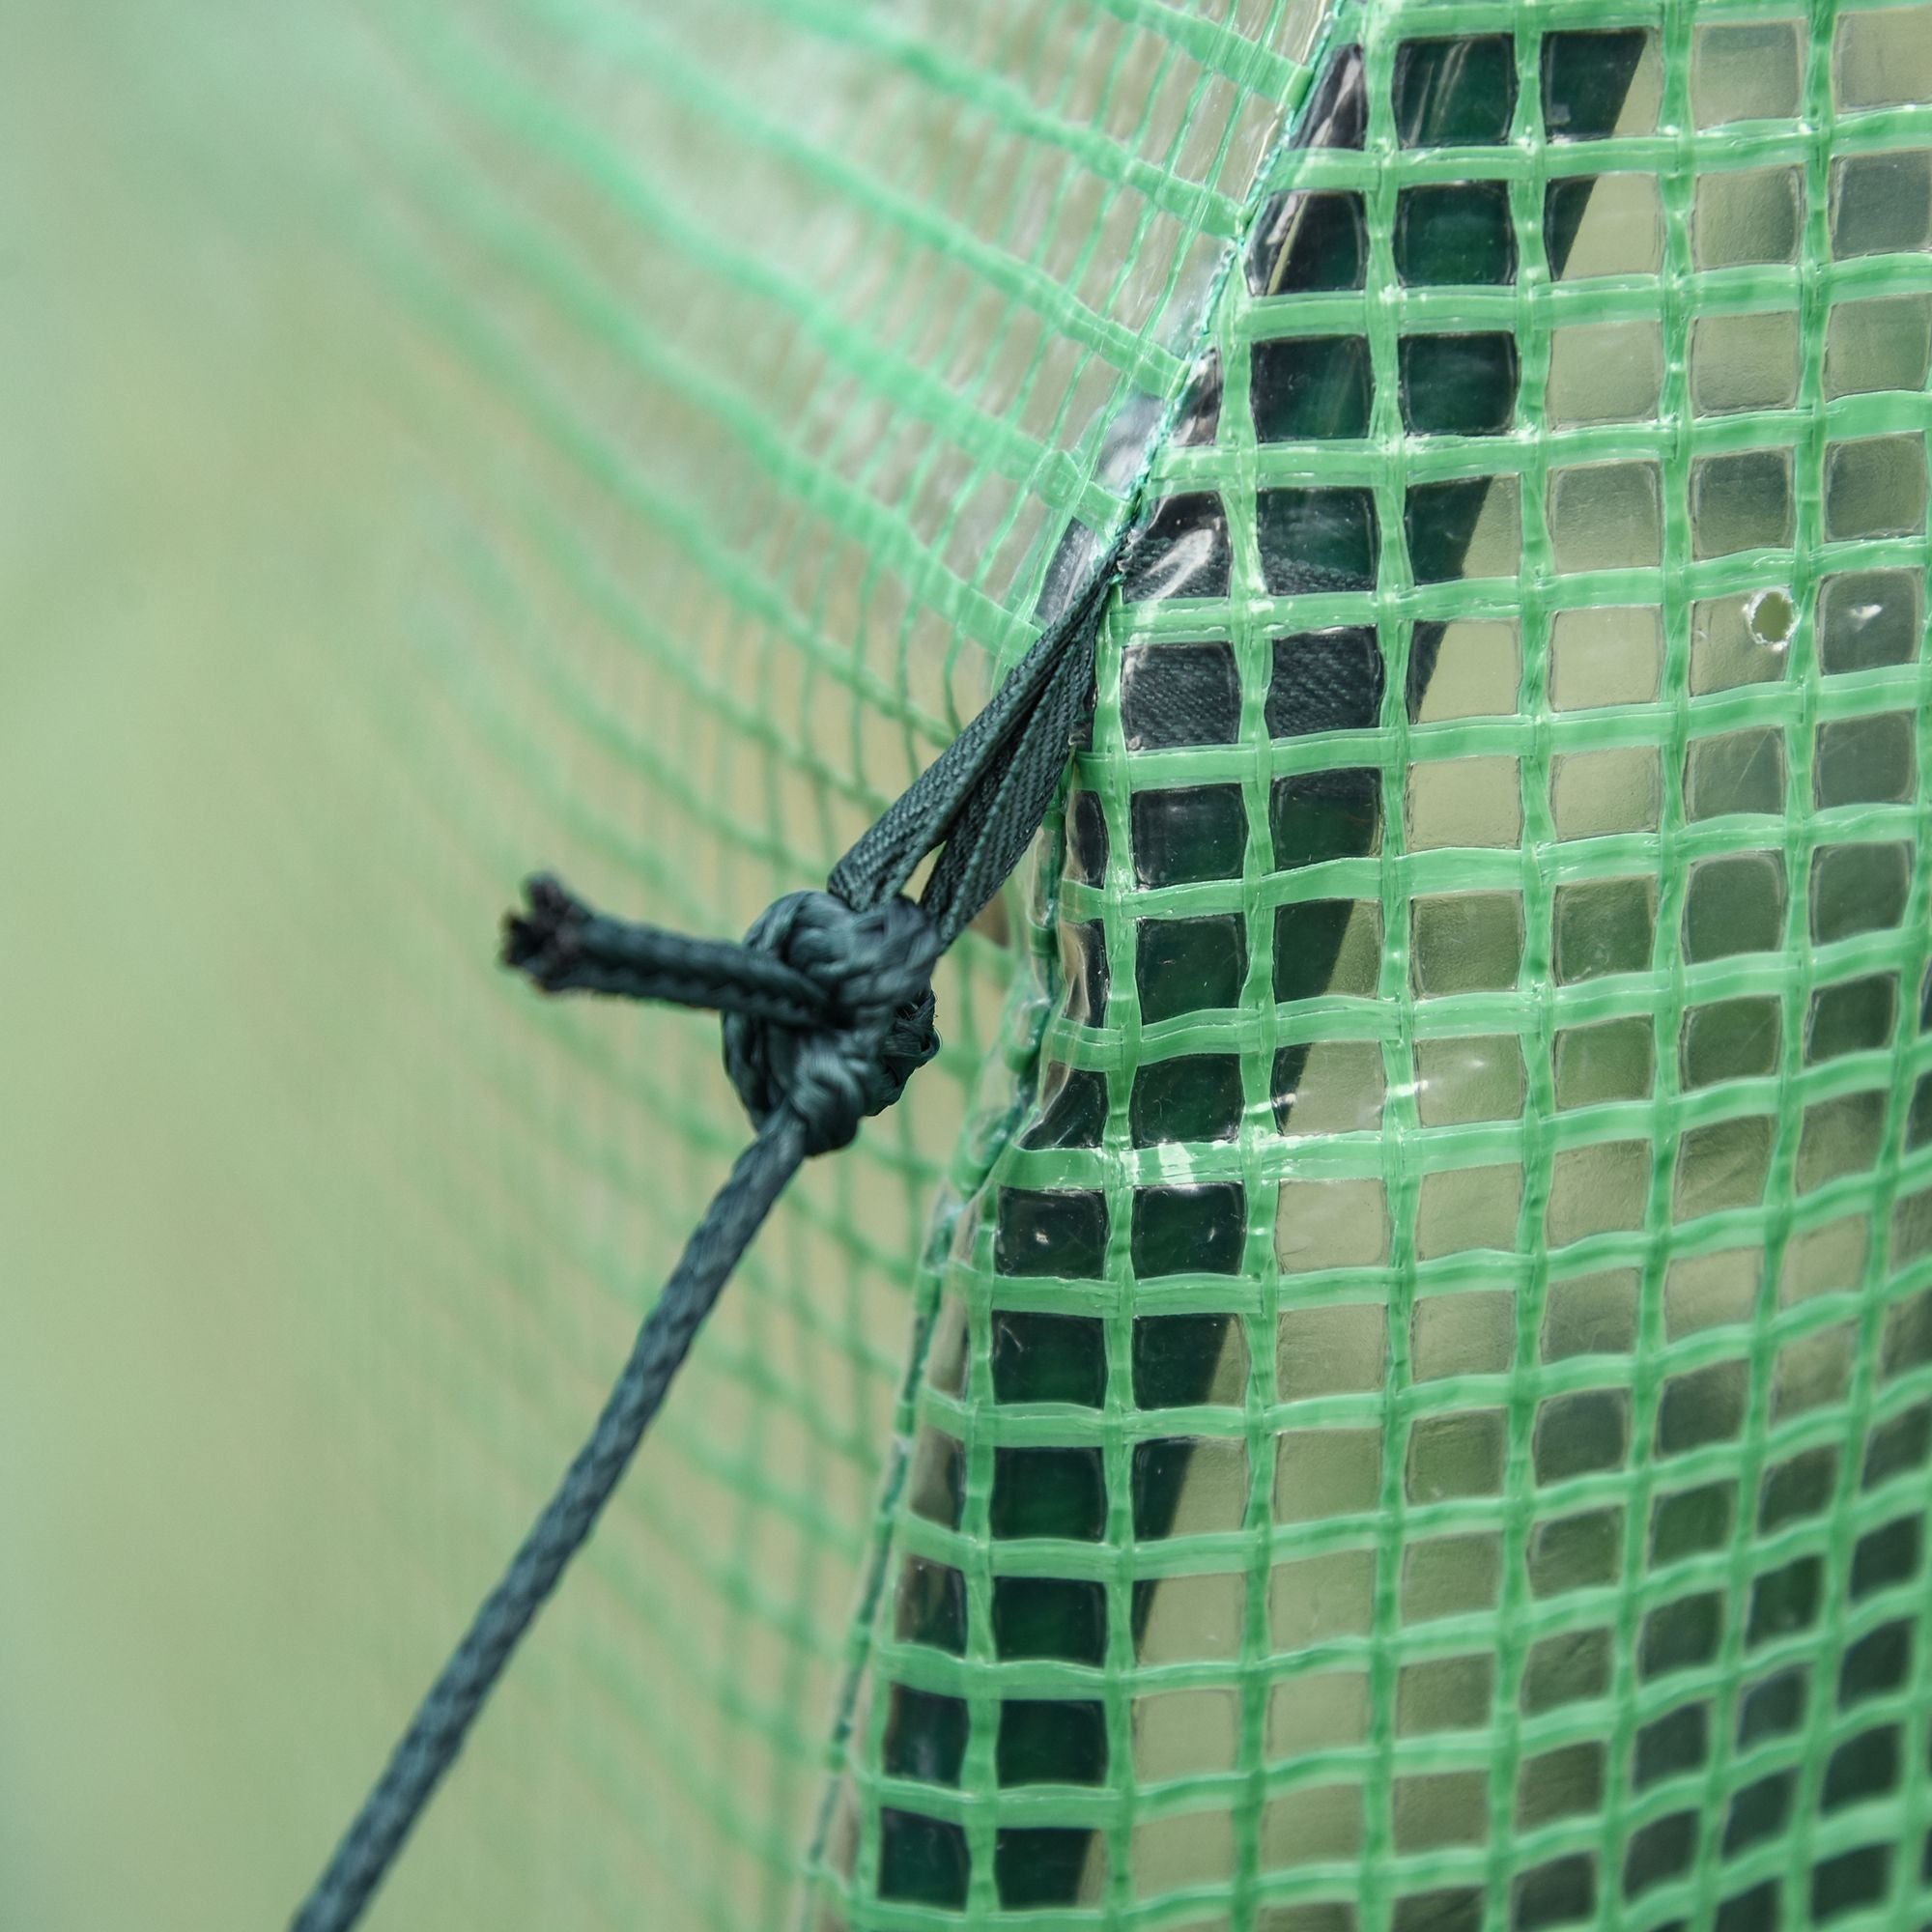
[1426, 1421]
[1414, 1413]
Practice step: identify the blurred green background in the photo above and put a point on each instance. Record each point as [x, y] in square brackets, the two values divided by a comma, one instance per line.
[189, 457]
[318, 1242]
[199, 487]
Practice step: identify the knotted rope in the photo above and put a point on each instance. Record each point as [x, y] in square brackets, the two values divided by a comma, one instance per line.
[828, 1011]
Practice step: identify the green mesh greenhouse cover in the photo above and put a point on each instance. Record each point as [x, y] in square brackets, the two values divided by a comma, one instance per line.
[1384, 1384]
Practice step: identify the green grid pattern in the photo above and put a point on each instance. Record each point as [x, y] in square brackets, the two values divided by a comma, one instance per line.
[1547, 1544]
[762, 357]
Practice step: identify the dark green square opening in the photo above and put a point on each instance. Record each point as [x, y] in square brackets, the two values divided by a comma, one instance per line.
[1048, 1357]
[1774, 1707]
[1311, 388]
[1056, 1492]
[1690, 1522]
[1156, 1479]
[1059, 1233]
[1189, 1230]
[1660, 1852]
[1561, 1892]
[1851, 1882]
[1189, 965]
[1043, 1743]
[1904, 1443]
[1458, 384]
[1455, 235]
[1196, 1097]
[1322, 815]
[1060, 1617]
[1316, 540]
[1758, 1812]
[1190, 834]
[1672, 1744]
[1761, 1909]
[1455, 93]
[1877, 1666]
[1453, 1909]
[1887, 1555]
[924, 1737]
[1785, 1601]
[922, 1861]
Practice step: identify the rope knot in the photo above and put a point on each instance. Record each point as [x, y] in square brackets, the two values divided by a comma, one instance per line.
[872, 967]
[828, 1010]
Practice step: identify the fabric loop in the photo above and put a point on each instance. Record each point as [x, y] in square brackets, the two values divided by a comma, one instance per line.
[873, 967]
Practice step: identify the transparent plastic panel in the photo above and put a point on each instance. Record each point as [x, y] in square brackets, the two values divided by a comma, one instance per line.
[1498, 842]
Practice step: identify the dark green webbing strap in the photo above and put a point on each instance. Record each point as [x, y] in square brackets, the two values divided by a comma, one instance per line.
[828, 1010]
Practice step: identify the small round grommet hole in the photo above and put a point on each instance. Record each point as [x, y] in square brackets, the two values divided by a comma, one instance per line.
[1770, 616]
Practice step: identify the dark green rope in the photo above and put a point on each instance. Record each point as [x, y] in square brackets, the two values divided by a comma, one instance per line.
[828, 1010]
